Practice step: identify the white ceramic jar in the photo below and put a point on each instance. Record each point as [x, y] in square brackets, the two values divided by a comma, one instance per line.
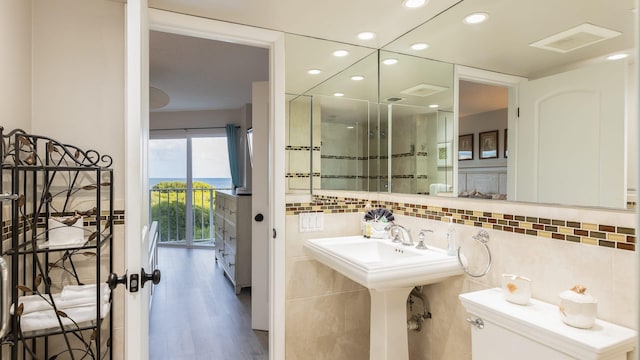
[577, 308]
[516, 289]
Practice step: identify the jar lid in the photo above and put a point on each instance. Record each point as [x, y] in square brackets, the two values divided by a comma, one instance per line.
[577, 294]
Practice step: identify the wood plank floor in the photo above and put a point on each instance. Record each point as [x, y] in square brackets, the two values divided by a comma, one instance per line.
[196, 315]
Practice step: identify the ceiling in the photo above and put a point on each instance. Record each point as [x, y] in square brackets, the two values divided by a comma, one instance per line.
[336, 20]
[477, 98]
[200, 74]
[182, 66]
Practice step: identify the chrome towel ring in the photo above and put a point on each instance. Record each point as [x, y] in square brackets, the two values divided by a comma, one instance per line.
[481, 237]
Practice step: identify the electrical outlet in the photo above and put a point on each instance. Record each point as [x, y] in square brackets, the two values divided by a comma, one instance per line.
[318, 221]
[309, 222]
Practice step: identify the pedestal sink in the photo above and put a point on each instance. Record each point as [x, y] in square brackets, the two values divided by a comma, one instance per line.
[389, 271]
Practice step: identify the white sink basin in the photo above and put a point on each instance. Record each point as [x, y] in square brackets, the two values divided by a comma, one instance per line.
[380, 263]
[390, 271]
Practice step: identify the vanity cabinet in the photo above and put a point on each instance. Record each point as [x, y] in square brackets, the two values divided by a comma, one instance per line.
[233, 237]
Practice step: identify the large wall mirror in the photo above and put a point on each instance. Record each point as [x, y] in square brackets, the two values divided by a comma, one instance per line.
[423, 126]
[331, 94]
[416, 98]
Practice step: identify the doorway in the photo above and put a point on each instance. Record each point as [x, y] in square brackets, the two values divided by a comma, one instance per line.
[483, 111]
[139, 20]
[485, 94]
[208, 85]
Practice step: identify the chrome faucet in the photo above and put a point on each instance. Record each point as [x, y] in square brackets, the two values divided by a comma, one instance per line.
[395, 230]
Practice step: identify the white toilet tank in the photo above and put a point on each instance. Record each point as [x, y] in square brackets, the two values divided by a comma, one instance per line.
[536, 332]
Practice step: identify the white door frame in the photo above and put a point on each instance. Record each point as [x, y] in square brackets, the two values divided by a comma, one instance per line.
[511, 82]
[274, 41]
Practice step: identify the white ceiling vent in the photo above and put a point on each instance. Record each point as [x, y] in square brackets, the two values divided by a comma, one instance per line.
[575, 38]
[423, 90]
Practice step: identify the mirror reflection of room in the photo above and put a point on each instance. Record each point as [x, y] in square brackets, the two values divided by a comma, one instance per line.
[519, 158]
[482, 153]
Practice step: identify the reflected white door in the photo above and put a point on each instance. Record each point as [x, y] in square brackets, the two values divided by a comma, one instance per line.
[570, 146]
[136, 178]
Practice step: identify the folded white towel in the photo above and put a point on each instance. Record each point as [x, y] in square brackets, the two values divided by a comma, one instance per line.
[70, 297]
[70, 292]
[33, 303]
[61, 234]
[70, 244]
[41, 320]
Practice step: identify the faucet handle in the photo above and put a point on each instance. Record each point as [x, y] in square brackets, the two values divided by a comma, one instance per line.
[421, 245]
[395, 231]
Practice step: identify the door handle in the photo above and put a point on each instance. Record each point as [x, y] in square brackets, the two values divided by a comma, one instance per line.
[154, 276]
[114, 280]
[259, 217]
[132, 282]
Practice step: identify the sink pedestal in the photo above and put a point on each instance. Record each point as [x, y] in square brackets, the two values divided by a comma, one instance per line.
[389, 271]
[388, 339]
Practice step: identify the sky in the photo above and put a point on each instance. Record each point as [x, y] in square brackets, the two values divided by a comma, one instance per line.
[168, 158]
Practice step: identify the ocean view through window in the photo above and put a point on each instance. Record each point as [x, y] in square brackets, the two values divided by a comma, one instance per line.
[184, 174]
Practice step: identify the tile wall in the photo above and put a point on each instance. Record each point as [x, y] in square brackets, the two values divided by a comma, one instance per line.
[596, 251]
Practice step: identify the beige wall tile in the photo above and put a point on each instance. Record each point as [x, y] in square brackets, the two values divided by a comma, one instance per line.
[333, 327]
[309, 278]
[552, 265]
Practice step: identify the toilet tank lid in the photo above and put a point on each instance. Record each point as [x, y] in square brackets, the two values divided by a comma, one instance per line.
[541, 322]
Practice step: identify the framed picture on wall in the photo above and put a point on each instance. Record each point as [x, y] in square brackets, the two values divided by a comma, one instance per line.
[465, 147]
[445, 157]
[488, 144]
[506, 149]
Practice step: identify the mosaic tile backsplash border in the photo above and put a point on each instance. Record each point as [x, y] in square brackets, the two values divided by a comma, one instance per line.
[118, 219]
[610, 236]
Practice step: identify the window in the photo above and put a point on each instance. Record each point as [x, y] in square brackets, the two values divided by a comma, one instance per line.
[183, 176]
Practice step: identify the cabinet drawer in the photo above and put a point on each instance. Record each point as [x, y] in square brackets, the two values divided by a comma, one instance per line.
[230, 209]
[231, 238]
[219, 249]
[230, 264]
[218, 222]
[219, 203]
[219, 238]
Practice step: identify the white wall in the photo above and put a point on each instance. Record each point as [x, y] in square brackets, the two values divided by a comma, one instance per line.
[78, 76]
[78, 93]
[15, 64]
[477, 123]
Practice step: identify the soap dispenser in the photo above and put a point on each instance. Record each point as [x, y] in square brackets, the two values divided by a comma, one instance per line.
[452, 241]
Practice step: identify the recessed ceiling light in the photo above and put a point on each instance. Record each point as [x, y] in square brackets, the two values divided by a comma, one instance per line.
[476, 18]
[390, 61]
[419, 46]
[357, 77]
[617, 56]
[366, 35]
[338, 94]
[413, 3]
[313, 72]
[433, 106]
[340, 53]
[350, 127]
